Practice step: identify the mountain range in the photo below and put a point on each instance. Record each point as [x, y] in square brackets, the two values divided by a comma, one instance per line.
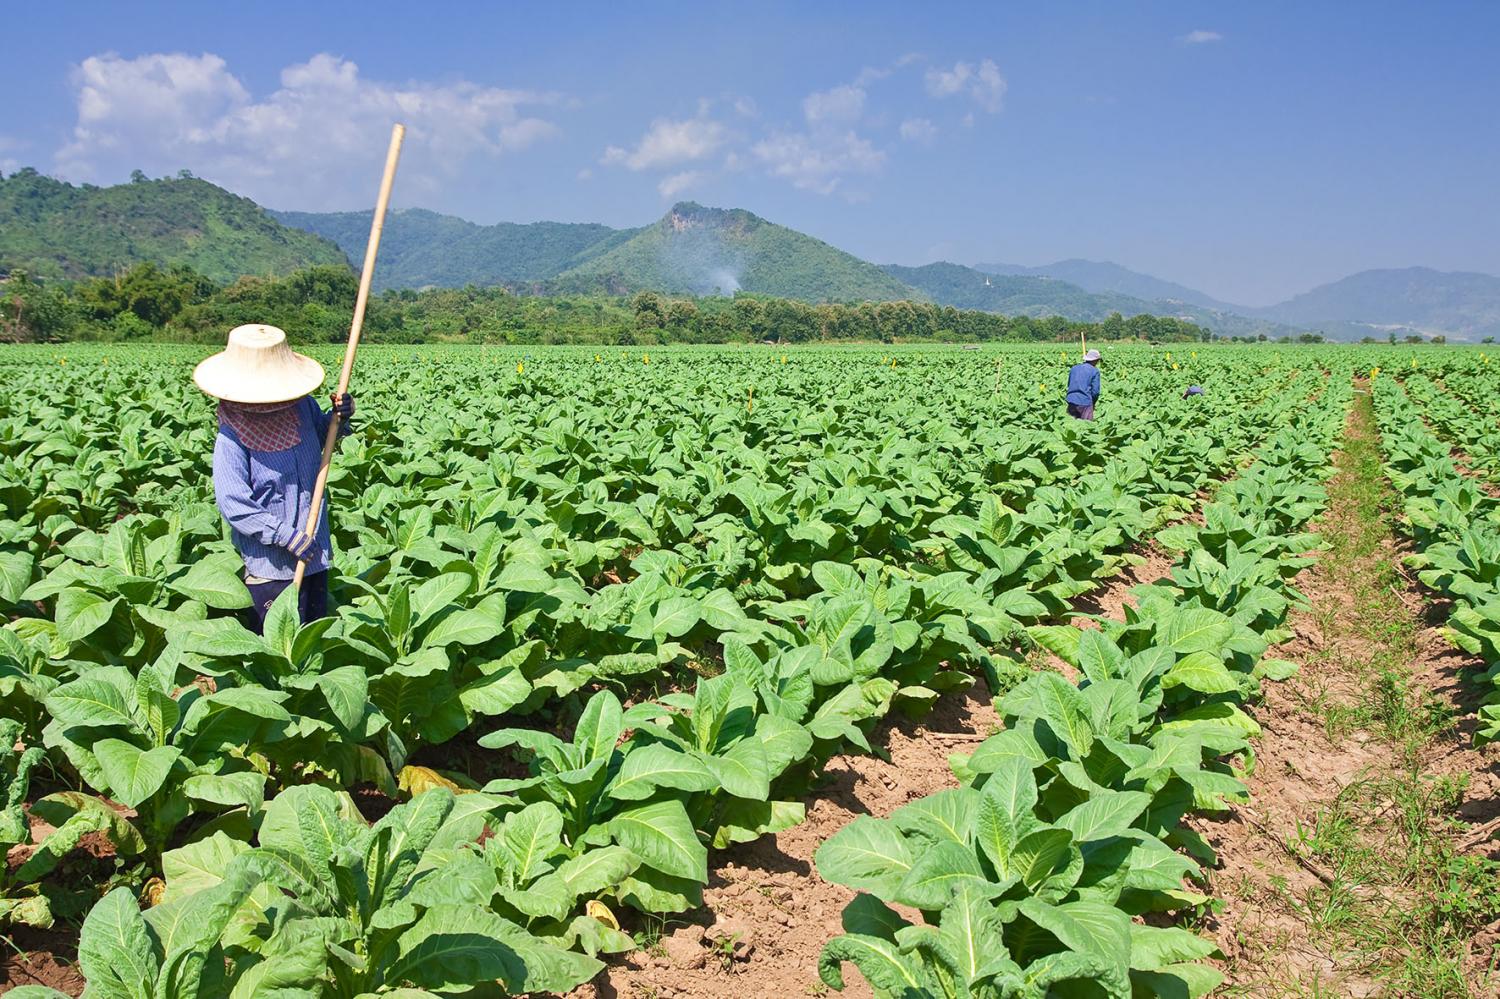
[56, 230]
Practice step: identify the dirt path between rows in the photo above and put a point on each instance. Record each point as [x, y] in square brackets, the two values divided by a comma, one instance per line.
[766, 898]
[1364, 780]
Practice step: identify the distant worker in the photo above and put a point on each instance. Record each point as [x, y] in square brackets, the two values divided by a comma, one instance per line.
[1193, 390]
[1083, 386]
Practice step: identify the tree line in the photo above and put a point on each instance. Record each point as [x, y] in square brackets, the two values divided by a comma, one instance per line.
[150, 302]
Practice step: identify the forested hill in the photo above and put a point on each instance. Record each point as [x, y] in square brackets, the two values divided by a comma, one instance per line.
[51, 229]
[704, 251]
[420, 249]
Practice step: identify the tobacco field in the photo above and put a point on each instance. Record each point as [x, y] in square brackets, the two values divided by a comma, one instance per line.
[602, 616]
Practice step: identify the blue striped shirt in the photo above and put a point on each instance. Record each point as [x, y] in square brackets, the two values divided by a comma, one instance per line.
[266, 496]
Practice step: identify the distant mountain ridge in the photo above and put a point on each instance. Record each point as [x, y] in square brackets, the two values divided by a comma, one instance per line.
[57, 230]
[1458, 304]
[1107, 277]
[1036, 295]
[1451, 302]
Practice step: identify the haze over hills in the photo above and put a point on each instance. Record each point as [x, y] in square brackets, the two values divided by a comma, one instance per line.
[1452, 302]
[1458, 304]
[56, 230]
[1105, 276]
[1029, 295]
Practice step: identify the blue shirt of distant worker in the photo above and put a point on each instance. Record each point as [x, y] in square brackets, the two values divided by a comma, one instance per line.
[1083, 387]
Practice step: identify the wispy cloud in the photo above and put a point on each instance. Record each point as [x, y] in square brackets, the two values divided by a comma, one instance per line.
[674, 185]
[165, 111]
[8, 146]
[1201, 36]
[918, 130]
[670, 142]
[844, 103]
[983, 83]
[817, 163]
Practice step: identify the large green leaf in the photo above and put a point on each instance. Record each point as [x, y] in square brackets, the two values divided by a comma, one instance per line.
[80, 613]
[649, 767]
[868, 854]
[453, 947]
[662, 835]
[133, 774]
[115, 952]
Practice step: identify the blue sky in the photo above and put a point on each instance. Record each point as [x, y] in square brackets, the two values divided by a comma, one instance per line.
[1248, 150]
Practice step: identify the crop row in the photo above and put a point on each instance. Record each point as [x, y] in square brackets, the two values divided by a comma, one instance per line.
[1069, 822]
[1455, 525]
[1455, 420]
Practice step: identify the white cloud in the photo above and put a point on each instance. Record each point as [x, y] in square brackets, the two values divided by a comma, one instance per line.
[1201, 36]
[918, 130]
[817, 162]
[9, 163]
[668, 142]
[674, 185]
[312, 142]
[745, 107]
[843, 103]
[983, 83]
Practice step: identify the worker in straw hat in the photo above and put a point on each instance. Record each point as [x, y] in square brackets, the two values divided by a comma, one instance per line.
[266, 460]
[1083, 386]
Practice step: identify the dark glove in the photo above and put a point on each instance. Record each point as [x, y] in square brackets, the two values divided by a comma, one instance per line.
[343, 406]
[301, 546]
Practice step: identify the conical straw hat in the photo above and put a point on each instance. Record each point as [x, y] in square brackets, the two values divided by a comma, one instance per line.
[258, 366]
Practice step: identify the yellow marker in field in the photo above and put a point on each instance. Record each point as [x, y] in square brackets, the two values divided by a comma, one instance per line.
[1175, 366]
[750, 400]
[783, 358]
[520, 367]
[1195, 355]
[597, 359]
[645, 358]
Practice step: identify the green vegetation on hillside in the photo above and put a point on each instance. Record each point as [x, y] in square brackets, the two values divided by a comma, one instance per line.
[148, 302]
[419, 248]
[694, 250]
[51, 229]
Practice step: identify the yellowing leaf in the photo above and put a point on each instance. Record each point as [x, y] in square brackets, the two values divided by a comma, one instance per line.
[414, 780]
[600, 911]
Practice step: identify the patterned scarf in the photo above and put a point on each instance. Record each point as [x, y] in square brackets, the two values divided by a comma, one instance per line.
[273, 426]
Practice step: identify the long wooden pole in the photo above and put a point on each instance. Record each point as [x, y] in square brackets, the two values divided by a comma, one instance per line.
[377, 223]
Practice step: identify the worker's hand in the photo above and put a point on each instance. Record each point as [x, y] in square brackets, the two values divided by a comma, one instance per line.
[301, 546]
[343, 406]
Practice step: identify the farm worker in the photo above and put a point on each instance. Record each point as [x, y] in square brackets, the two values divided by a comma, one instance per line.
[1083, 386]
[266, 460]
[1193, 390]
